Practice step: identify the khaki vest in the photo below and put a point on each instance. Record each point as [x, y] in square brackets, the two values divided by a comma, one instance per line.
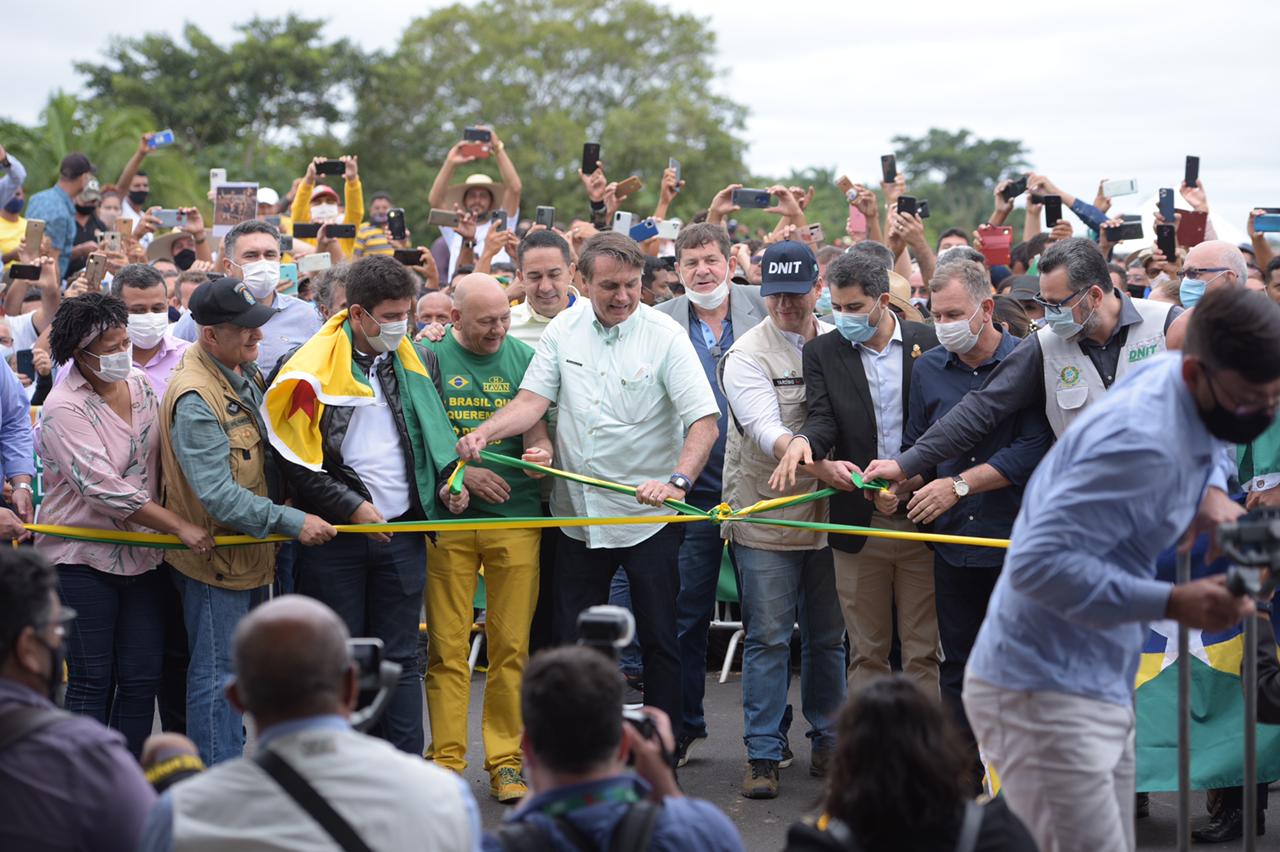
[1072, 383]
[235, 568]
[747, 468]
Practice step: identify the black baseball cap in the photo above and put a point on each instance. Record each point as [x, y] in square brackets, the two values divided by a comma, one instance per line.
[787, 267]
[227, 300]
[1025, 288]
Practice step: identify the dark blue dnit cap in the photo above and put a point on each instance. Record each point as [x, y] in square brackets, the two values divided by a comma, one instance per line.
[787, 267]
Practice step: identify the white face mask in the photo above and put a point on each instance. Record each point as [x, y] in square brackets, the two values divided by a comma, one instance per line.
[7, 352]
[957, 336]
[261, 277]
[321, 212]
[711, 299]
[389, 335]
[114, 367]
[147, 330]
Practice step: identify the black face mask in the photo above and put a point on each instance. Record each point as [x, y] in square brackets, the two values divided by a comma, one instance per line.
[138, 197]
[1225, 424]
[86, 209]
[184, 259]
[58, 656]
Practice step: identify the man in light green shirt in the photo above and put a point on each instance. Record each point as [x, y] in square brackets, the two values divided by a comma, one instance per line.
[634, 407]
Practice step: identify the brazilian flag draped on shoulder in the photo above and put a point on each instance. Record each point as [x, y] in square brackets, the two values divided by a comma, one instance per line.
[1217, 701]
[323, 372]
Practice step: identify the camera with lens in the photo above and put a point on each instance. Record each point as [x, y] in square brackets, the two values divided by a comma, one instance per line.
[609, 629]
[1253, 545]
[377, 678]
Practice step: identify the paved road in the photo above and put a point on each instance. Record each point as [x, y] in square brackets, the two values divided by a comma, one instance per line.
[715, 773]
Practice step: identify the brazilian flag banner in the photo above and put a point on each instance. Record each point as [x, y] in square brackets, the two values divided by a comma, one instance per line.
[1217, 701]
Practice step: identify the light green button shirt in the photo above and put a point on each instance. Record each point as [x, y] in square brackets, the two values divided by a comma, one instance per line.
[627, 395]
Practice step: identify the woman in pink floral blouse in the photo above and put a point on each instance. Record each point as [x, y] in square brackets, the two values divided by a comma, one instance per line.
[99, 437]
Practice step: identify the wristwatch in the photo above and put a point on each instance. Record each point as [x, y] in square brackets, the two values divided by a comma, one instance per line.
[679, 480]
[961, 487]
[25, 486]
[469, 244]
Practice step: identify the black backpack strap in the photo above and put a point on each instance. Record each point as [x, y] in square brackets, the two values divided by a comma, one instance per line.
[310, 801]
[523, 836]
[970, 827]
[634, 831]
[19, 722]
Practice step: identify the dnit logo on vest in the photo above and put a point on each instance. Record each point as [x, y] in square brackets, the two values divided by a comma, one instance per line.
[1140, 352]
[457, 382]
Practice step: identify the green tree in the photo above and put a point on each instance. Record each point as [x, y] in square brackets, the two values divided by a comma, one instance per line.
[957, 172]
[107, 137]
[550, 75]
[277, 82]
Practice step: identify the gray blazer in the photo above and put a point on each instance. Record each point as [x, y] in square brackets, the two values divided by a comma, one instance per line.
[746, 308]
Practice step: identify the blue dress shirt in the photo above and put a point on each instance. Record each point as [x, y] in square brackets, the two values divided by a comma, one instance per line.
[939, 380]
[1070, 612]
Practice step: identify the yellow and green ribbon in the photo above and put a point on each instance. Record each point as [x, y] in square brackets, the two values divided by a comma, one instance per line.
[720, 514]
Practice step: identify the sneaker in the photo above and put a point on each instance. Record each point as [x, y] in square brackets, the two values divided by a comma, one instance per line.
[684, 747]
[820, 762]
[761, 779]
[507, 785]
[787, 757]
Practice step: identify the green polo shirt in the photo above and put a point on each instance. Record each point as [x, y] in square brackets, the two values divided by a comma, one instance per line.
[475, 386]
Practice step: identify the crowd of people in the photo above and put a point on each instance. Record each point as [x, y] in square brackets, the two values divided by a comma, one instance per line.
[277, 382]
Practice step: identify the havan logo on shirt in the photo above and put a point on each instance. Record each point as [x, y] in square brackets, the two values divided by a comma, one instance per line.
[496, 384]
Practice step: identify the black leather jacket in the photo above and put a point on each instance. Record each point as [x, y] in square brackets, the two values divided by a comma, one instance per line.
[336, 492]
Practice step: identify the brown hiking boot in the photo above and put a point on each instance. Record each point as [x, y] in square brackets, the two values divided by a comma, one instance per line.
[761, 779]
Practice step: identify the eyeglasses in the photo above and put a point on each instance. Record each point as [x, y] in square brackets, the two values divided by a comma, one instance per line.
[1198, 272]
[62, 622]
[1254, 406]
[1045, 303]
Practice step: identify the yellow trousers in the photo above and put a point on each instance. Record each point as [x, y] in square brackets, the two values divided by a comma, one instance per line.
[510, 559]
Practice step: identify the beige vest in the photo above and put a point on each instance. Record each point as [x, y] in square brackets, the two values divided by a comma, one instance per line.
[747, 468]
[237, 568]
[1072, 383]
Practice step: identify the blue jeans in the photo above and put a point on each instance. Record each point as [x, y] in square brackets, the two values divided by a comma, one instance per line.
[700, 555]
[115, 649]
[620, 595]
[211, 614]
[377, 590]
[778, 585]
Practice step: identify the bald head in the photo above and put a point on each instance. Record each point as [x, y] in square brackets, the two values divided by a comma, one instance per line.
[436, 306]
[477, 291]
[291, 660]
[1217, 254]
[481, 313]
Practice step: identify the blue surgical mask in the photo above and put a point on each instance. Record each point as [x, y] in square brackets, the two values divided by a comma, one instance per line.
[14, 205]
[856, 328]
[824, 302]
[1191, 291]
[1062, 322]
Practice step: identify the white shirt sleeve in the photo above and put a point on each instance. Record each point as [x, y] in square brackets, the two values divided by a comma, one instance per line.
[542, 376]
[23, 329]
[754, 404]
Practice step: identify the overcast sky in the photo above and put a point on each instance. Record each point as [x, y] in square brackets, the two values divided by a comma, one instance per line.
[1119, 89]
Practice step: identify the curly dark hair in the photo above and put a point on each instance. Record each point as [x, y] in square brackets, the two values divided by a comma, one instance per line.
[77, 318]
[899, 777]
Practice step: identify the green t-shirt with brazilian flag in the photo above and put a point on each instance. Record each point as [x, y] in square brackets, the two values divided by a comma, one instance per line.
[476, 386]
